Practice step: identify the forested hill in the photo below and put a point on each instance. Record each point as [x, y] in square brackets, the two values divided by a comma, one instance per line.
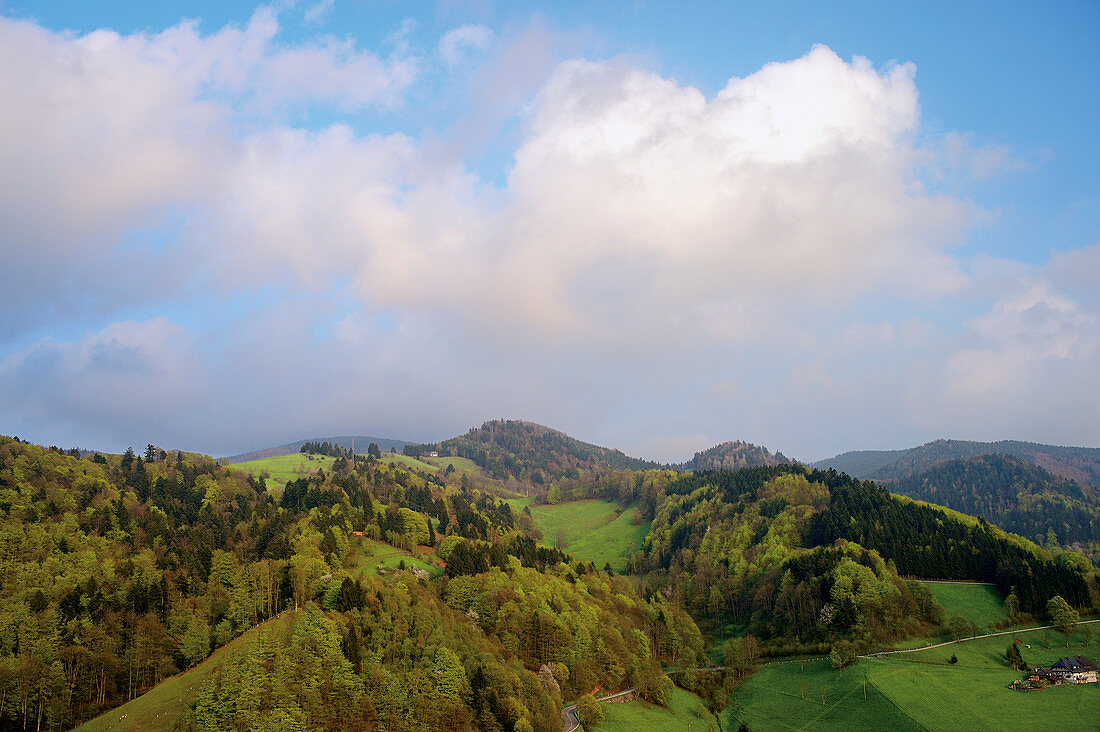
[1076, 463]
[1017, 496]
[810, 556]
[733, 456]
[531, 452]
[360, 444]
[117, 571]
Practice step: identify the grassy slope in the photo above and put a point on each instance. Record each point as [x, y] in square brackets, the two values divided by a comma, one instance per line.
[973, 693]
[595, 531]
[920, 690]
[366, 554]
[162, 706]
[284, 468]
[686, 713]
[407, 462]
[981, 604]
[771, 700]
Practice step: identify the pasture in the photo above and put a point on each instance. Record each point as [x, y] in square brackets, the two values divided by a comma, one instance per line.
[593, 530]
[686, 713]
[921, 690]
[981, 604]
[285, 468]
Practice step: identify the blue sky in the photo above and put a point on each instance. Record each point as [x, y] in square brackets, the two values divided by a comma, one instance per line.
[818, 227]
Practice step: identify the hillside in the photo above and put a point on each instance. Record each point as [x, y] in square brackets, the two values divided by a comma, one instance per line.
[1017, 496]
[812, 555]
[531, 452]
[119, 572]
[733, 456]
[360, 442]
[1075, 463]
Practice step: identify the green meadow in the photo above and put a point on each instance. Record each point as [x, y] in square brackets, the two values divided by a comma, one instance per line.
[285, 468]
[981, 604]
[686, 713]
[366, 555]
[921, 690]
[594, 530]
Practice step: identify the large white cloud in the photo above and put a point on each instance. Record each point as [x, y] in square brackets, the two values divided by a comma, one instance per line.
[656, 264]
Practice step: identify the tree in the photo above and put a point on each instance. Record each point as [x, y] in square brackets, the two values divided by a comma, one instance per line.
[1015, 660]
[588, 709]
[1012, 604]
[1062, 617]
[373, 451]
[842, 654]
[961, 627]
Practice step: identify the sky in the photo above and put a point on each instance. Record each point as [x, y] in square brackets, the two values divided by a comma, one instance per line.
[656, 226]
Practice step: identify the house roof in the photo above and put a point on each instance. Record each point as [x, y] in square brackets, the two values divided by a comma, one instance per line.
[1075, 665]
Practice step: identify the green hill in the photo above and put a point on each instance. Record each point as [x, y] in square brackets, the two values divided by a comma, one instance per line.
[1017, 496]
[733, 456]
[531, 452]
[592, 530]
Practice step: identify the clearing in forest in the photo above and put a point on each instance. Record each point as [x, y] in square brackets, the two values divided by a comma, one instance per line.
[285, 468]
[591, 530]
[981, 604]
[366, 554]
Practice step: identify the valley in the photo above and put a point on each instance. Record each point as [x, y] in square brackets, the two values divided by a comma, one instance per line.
[491, 588]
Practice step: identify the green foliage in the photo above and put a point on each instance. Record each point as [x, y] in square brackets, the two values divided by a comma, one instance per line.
[1062, 616]
[1015, 495]
[734, 456]
[589, 711]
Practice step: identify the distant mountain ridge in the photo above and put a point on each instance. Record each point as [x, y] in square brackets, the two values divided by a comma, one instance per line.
[734, 456]
[1075, 463]
[361, 443]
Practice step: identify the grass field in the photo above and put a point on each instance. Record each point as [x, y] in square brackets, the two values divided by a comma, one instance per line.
[163, 705]
[595, 531]
[921, 690]
[686, 713]
[366, 554]
[405, 461]
[981, 604]
[285, 468]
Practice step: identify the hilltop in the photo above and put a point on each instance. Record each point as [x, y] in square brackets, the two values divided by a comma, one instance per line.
[886, 466]
[530, 452]
[734, 456]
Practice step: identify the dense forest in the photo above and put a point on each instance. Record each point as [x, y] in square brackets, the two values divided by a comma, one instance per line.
[1017, 496]
[118, 571]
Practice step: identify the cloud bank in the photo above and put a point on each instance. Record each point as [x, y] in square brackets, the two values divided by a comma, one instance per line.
[770, 263]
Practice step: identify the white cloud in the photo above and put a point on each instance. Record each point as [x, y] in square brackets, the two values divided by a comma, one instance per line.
[459, 43]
